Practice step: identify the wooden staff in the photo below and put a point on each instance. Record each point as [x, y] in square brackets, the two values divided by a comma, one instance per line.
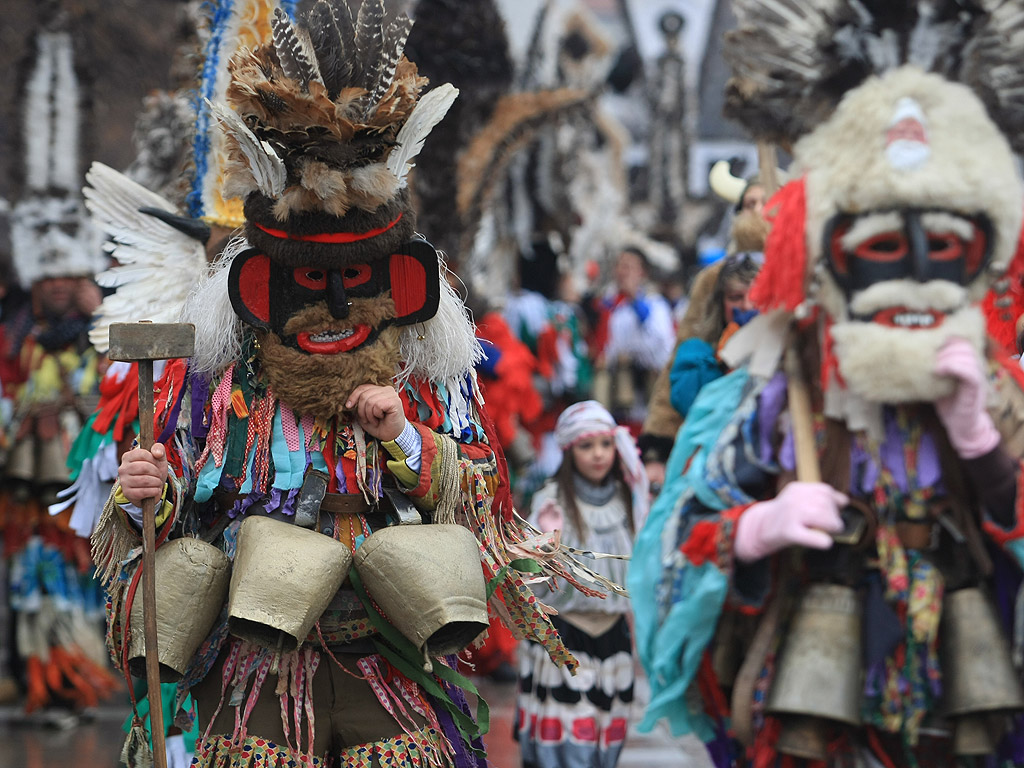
[807, 470]
[143, 343]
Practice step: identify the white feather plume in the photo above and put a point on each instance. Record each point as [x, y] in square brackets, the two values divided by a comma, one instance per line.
[428, 112]
[208, 308]
[158, 265]
[67, 117]
[445, 347]
[266, 166]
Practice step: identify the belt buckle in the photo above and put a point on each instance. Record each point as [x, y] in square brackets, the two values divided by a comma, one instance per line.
[402, 511]
[310, 497]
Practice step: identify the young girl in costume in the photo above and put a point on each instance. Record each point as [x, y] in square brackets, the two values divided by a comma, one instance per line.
[597, 500]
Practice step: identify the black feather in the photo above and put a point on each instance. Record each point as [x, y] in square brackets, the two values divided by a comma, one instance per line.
[793, 60]
[394, 43]
[369, 42]
[335, 69]
[534, 52]
[289, 51]
[343, 21]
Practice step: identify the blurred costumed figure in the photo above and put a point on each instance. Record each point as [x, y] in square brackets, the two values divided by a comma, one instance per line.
[164, 164]
[51, 376]
[668, 163]
[832, 573]
[699, 334]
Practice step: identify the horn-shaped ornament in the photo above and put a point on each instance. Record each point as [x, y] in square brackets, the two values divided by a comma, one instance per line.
[725, 184]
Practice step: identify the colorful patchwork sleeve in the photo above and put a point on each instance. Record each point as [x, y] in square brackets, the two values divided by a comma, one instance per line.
[454, 445]
[998, 480]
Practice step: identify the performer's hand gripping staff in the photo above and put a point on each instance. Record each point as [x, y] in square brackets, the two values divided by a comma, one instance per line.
[143, 475]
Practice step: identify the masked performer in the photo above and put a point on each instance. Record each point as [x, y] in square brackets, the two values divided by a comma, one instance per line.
[754, 582]
[50, 374]
[329, 414]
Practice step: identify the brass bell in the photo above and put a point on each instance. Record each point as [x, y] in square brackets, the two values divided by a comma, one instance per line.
[818, 676]
[803, 736]
[976, 735]
[51, 467]
[978, 673]
[21, 460]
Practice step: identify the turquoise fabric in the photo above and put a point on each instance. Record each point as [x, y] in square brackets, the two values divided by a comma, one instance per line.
[167, 697]
[676, 604]
[1016, 550]
[289, 466]
[694, 366]
[206, 483]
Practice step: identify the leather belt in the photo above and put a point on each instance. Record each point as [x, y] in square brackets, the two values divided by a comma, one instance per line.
[920, 535]
[345, 504]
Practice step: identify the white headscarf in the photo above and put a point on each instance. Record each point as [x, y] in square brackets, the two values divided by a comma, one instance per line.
[590, 419]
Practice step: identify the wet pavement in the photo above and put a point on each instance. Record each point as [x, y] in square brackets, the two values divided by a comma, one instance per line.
[95, 742]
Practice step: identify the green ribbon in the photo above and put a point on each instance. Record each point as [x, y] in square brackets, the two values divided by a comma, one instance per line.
[407, 659]
[523, 565]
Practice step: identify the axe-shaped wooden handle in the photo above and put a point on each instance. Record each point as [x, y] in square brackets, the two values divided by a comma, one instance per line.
[143, 343]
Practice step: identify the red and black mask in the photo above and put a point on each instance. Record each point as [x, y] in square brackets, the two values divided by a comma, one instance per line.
[267, 294]
[913, 244]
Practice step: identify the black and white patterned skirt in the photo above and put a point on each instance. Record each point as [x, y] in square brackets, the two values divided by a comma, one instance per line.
[575, 721]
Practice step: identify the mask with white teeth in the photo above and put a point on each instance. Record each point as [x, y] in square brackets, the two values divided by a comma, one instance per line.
[325, 328]
[913, 209]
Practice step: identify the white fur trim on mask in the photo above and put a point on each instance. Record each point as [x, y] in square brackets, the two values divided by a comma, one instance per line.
[870, 225]
[941, 223]
[882, 364]
[939, 295]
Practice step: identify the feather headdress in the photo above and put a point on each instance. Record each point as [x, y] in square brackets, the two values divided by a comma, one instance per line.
[327, 121]
[793, 60]
[232, 25]
[50, 233]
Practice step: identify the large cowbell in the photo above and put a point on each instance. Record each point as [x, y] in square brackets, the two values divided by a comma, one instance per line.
[266, 294]
[819, 672]
[980, 684]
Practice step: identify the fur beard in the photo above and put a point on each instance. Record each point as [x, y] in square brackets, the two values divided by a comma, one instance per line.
[882, 364]
[319, 385]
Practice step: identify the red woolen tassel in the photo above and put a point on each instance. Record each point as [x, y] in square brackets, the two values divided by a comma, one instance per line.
[781, 281]
[1001, 321]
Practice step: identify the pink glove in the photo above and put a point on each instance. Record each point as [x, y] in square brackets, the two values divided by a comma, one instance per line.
[803, 514]
[549, 516]
[970, 428]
